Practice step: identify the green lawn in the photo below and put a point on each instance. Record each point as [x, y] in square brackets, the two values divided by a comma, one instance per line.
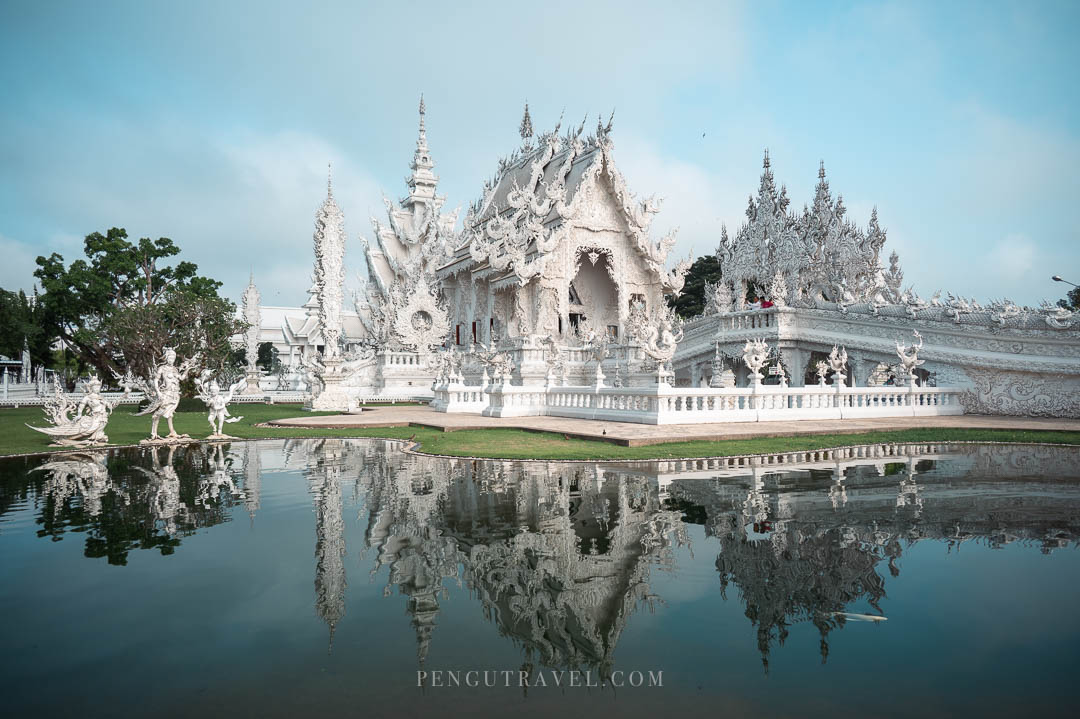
[126, 429]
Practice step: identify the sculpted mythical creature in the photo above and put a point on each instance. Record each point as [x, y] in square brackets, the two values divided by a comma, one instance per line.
[662, 337]
[821, 369]
[500, 364]
[217, 403]
[1058, 317]
[658, 336]
[163, 389]
[909, 356]
[838, 364]
[77, 425]
[755, 355]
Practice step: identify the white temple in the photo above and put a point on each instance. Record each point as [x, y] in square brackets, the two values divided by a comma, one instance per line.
[552, 299]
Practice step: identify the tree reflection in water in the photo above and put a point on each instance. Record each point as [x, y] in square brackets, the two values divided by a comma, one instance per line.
[561, 555]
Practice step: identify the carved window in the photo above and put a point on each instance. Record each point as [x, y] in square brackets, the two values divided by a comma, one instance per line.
[637, 299]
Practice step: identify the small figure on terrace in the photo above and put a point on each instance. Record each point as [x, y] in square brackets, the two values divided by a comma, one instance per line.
[81, 425]
[838, 364]
[821, 369]
[164, 392]
[211, 395]
[909, 357]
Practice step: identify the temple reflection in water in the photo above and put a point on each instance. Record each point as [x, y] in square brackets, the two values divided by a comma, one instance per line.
[561, 555]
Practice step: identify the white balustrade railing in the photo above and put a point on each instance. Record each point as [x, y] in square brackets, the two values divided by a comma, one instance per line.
[39, 400]
[662, 404]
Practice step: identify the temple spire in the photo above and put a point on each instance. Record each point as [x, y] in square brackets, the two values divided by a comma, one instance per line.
[821, 170]
[526, 128]
[329, 181]
[421, 140]
[422, 180]
[765, 162]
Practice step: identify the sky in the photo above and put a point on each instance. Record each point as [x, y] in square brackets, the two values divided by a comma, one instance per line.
[213, 122]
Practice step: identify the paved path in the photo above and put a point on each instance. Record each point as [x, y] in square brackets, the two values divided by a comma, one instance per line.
[635, 435]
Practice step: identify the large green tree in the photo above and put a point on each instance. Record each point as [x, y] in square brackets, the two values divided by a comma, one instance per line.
[124, 303]
[22, 326]
[691, 302]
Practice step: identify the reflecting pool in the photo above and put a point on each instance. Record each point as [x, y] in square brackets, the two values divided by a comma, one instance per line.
[346, 577]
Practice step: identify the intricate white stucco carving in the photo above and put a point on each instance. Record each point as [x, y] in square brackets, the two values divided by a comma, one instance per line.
[756, 355]
[659, 336]
[821, 369]
[254, 322]
[163, 390]
[909, 356]
[421, 323]
[217, 402]
[718, 297]
[77, 424]
[1022, 393]
[838, 364]
[821, 252]
[329, 241]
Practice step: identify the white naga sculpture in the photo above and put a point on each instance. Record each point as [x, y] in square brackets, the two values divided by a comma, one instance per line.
[660, 338]
[838, 364]
[755, 355]
[909, 357]
[163, 389]
[77, 425]
[217, 403]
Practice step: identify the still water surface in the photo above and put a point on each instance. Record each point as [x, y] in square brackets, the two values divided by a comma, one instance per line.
[319, 577]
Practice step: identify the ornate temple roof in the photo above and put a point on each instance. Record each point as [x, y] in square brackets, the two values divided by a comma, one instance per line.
[513, 226]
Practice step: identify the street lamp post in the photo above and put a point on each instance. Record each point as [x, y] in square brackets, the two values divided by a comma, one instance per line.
[1057, 278]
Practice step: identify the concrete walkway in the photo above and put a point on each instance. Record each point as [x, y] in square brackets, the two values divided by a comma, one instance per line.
[635, 435]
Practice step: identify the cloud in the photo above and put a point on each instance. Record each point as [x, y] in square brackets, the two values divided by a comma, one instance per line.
[696, 200]
[18, 266]
[233, 202]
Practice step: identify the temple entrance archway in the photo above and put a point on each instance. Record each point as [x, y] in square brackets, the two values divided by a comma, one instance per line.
[593, 297]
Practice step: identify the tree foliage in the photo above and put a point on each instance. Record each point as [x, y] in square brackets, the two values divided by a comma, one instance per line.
[1071, 300]
[123, 304]
[21, 326]
[268, 357]
[692, 300]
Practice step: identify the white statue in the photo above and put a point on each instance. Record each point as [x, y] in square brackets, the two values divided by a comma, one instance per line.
[126, 381]
[879, 376]
[821, 369]
[909, 357]
[217, 403]
[718, 298]
[81, 425]
[755, 355]
[163, 388]
[663, 337]
[838, 364]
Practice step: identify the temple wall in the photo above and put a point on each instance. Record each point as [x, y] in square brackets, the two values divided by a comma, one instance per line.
[1018, 371]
